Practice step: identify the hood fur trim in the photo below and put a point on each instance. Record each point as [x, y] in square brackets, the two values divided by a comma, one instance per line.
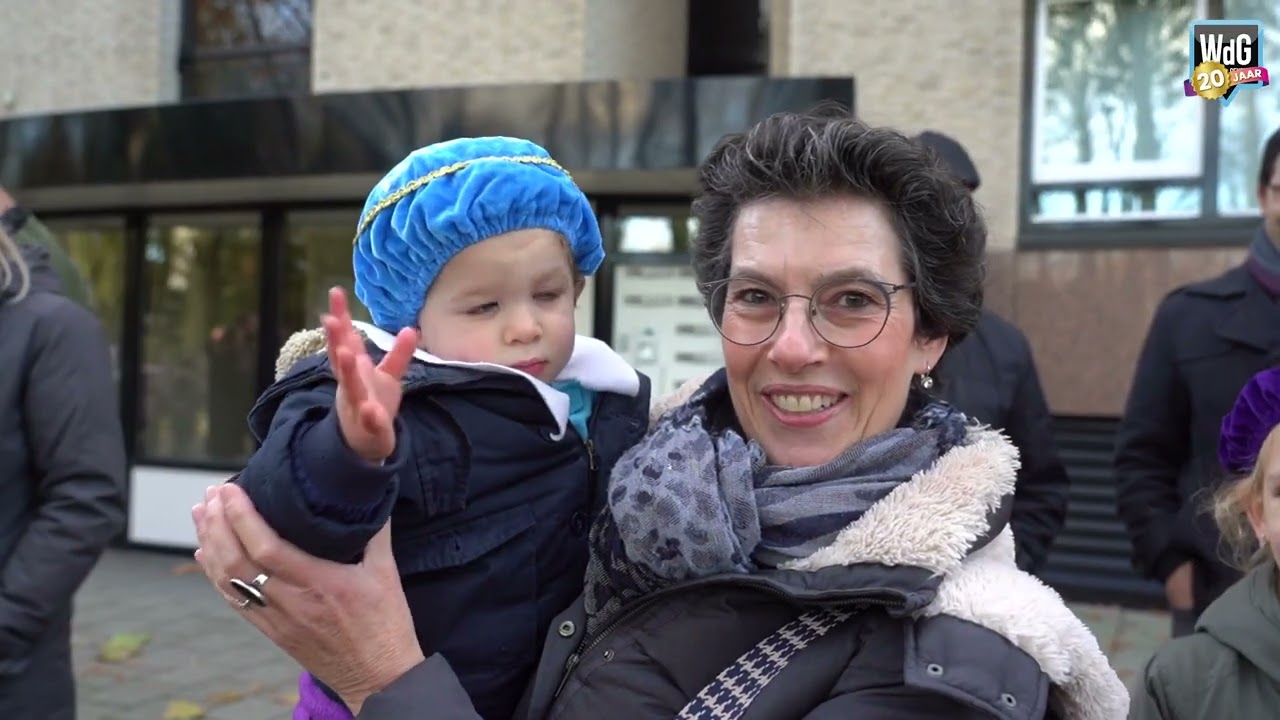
[300, 346]
[933, 521]
[988, 589]
[675, 399]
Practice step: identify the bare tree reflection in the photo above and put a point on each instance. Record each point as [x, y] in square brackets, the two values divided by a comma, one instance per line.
[1112, 87]
[241, 48]
[1251, 117]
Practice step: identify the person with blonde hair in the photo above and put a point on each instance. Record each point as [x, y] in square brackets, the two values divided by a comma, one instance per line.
[1230, 666]
[62, 475]
[24, 228]
[15, 276]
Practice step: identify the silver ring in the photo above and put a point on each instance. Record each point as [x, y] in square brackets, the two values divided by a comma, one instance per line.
[250, 591]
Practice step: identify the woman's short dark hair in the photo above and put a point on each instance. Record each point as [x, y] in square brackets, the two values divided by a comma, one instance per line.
[827, 153]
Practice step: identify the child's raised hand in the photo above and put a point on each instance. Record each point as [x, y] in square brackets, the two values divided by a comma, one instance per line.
[368, 397]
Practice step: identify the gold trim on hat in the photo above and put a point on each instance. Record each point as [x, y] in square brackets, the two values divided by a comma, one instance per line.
[438, 173]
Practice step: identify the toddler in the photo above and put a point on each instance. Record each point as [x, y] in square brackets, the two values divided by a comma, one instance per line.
[469, 412]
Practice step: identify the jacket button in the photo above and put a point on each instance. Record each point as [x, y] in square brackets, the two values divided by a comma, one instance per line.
[1009, 700]
[567, 629]
[578, 524]
[934, 669]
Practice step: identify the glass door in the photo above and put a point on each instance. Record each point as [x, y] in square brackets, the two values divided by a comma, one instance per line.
[199, 359]
[659, 322]
[316, 256]
[97, 249]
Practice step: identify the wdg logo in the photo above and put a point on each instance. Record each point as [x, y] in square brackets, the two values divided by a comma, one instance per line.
[1226, 55]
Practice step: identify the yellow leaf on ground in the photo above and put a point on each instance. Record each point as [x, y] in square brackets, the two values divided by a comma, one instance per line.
[226, 697]
[186, 569]
[183, 710]
[123, 646]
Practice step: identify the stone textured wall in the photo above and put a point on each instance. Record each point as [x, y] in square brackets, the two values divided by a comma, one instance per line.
[955, 67]
[391, 44]
[66, 55]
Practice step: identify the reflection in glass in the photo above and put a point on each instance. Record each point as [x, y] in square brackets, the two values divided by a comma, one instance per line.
[1109, 99]
[1252, 116]
[285, 72]
[656, 233]
[316, 257]
[1165, 200]
[239, 48]
[98, 252]
[200, 340]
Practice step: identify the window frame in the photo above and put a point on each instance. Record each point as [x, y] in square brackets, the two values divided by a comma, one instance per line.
[1209, 227]
[191, 56]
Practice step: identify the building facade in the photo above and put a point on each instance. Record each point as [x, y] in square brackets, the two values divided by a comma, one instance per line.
[204, 161]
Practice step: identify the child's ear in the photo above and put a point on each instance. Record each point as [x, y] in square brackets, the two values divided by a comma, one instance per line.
[579, 284]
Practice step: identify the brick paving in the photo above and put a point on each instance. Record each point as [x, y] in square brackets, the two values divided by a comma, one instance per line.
[203, 662]
[199, 651]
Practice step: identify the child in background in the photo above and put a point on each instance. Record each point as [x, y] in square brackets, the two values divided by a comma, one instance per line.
[1230, 666]
[470, 412]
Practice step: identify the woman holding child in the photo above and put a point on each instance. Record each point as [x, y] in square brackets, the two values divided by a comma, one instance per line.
[803, 534]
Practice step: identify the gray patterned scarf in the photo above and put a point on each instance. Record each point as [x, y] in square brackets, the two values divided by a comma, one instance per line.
[690, 501]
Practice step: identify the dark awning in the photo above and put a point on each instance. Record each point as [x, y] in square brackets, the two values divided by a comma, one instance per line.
[600, 129]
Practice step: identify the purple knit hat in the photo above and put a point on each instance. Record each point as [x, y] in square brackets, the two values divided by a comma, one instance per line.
[1255, 414]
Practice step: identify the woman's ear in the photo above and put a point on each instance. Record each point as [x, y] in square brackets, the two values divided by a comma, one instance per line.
[930, 352]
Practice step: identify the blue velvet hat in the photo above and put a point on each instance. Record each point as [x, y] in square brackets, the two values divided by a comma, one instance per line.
[444, 198]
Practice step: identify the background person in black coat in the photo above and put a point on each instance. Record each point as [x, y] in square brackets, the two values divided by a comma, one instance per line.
[991, 375]
[1206, 340]
[62, 475]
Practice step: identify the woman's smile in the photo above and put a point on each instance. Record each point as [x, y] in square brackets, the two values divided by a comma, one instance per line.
[802, 405]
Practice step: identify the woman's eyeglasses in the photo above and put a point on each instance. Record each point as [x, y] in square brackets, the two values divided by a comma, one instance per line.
[847, 313]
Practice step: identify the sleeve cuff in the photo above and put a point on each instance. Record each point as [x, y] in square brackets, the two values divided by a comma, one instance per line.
[333, 475]
[1169, 561]
[429, 689]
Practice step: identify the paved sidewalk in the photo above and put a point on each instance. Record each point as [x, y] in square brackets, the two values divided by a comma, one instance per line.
[201, 661]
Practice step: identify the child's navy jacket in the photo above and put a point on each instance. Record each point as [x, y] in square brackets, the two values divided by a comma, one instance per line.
[491, 490]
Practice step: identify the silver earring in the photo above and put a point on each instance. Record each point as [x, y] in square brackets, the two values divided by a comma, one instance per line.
[926, 380]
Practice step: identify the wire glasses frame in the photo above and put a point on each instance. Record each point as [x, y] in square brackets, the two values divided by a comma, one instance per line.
[846, 313]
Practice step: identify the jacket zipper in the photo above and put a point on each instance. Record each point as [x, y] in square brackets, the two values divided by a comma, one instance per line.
[846, 599]
[572, 662]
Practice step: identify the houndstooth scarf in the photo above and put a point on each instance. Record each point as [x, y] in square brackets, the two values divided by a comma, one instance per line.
[689, 501]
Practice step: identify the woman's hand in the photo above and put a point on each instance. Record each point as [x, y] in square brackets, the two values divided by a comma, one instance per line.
[348, 625]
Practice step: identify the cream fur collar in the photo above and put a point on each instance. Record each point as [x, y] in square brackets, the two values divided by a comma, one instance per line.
[985, 586]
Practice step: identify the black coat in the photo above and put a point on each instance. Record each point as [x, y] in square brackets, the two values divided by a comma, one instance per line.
[1206, 340]
[62, 467]
[991, 375]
